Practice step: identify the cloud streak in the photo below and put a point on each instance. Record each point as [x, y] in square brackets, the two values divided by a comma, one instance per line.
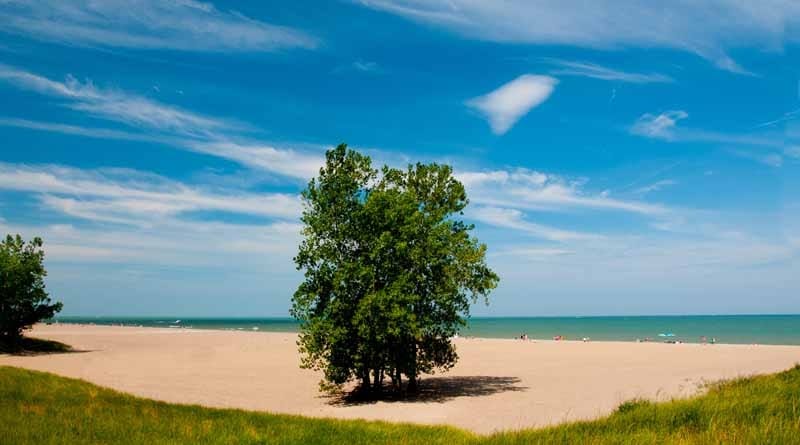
[656, 186]
[291, 163]
[183, 25]
[116, 105]
[709, 29]
[595, 71]
[131, 197]
[664, 126]
[527, 189]
[514, 219]
[658, 126]
[165, 124]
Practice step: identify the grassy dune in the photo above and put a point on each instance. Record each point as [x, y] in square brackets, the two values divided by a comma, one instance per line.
[40, 408]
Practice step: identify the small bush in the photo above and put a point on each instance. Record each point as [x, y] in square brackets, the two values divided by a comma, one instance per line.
[631, 405]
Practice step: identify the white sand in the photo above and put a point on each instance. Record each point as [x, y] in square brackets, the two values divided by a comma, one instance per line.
[497, 384]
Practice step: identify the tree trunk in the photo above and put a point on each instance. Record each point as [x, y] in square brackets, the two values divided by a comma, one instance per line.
[412, 373]
[399, 380]
[376, 384]
[412, 384]
[365, 387]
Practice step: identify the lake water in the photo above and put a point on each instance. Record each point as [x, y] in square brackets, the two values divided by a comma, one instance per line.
[761, 329]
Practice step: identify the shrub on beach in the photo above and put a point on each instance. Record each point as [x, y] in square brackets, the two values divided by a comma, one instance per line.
[390, 271]
[23, 298]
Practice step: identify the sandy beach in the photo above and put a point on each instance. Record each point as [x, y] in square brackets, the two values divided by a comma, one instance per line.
[497, 385]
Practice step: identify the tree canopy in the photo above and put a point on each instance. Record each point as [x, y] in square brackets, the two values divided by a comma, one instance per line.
[23, 299]
[390, 271]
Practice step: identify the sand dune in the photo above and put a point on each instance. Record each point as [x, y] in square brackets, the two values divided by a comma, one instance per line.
[497, 385]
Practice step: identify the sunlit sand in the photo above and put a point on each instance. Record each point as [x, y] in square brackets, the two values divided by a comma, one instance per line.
[497, 384]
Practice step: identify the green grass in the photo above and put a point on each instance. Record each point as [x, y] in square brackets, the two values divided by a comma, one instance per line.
[41, 408]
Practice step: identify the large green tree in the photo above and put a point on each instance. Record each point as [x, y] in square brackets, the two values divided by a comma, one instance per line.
[23, 299]
[390, 271]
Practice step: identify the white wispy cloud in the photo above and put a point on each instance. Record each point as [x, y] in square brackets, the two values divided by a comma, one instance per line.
[709, 29]
[793, 152]
[162, 123]
[133, 197]
[786, 117]
[768, 159]
[626, 256]
[665, 126]
[504, 106]
[514, 219]
[301, 165]
[773, 147]
[527, 189]
[654, 187]
[183, 25]
[98, 133]
[187, 243]
[358, 66]
[365, 66]
[116, 105]
[595, 71]
[658, 126]
[287, 162]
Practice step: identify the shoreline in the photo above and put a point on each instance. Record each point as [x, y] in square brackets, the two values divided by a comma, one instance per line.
[514, 384]
[653, 340]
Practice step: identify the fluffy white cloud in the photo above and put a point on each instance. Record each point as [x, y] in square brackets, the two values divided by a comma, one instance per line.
[504, 106]
[183, 25]
[708, 28]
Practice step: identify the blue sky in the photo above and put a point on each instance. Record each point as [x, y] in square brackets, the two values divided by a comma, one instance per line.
[620, 158]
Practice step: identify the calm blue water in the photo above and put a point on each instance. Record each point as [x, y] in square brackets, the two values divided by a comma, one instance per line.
[762, 329]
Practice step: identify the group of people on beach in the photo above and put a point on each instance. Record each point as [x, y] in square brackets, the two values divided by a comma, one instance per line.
[703, 339]
[555, 338]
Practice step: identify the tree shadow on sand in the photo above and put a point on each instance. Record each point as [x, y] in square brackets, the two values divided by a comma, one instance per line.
[437, 389]
[28, 346]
